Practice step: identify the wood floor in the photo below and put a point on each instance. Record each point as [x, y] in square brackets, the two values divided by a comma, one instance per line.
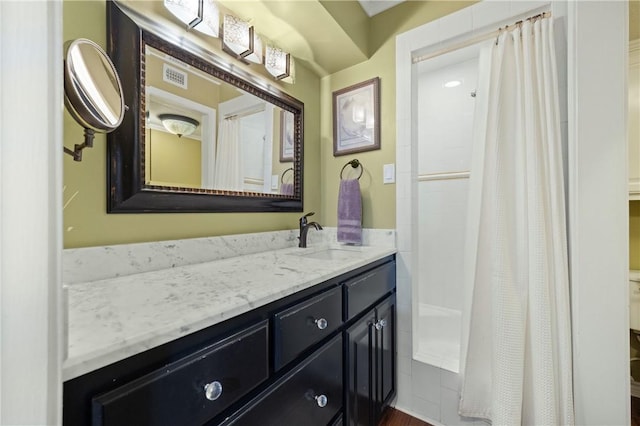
[393, 417]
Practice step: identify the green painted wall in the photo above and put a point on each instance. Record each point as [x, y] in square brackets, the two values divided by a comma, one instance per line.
[173, 160]
[379, 206]
[86, 222]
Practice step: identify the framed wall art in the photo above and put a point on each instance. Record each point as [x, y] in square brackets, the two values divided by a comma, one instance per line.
[356, 118]
[286, 136]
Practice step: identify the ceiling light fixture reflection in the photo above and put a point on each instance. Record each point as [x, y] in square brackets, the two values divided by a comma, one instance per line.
[179, 124]
[452, 83]
[201, 15]
[239, 39]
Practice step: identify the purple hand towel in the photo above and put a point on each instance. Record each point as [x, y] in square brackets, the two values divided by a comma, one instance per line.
[350, 212]
[286, 189]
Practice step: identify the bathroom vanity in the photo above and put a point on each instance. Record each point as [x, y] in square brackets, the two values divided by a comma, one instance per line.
[308, 339]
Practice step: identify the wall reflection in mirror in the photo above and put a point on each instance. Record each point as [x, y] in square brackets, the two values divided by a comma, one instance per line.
[240, 142]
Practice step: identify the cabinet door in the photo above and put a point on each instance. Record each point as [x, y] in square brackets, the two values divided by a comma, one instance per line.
[371, 363]
[385, 352]
[360, 363]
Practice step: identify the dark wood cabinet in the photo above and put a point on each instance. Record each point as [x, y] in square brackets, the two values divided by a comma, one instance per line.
[371, 360]
[322, 356]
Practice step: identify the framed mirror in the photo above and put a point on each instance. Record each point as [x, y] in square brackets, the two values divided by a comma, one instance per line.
[200, 135]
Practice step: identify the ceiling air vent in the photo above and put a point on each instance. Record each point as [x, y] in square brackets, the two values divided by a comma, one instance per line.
[174, 76]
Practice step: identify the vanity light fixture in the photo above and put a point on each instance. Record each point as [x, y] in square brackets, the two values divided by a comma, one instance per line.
[201, 15]
[279, 64]
[179, 124]
[239, 39]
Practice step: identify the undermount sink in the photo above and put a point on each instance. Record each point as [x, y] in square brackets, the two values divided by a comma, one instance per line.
[330, 254]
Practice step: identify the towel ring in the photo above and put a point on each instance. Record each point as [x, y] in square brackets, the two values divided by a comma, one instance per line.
[354, 163]
[284, 173]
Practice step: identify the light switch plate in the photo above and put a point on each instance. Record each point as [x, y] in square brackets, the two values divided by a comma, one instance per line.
[274, 182]
[389, 173]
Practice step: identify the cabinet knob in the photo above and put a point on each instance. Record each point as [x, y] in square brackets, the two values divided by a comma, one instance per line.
[321, 400]
[321, 323]
[213, 390]
[380, 324]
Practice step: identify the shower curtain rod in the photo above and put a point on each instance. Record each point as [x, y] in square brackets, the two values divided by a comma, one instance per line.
[477, 39]
[244, 113]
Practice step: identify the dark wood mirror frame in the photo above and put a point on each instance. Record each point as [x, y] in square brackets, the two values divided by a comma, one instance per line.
[126, 188]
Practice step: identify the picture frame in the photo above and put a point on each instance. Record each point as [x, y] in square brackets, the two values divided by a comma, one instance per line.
[286, 136]
[356, 118]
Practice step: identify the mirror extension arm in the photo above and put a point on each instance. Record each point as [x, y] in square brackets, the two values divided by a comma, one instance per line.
[77, 148]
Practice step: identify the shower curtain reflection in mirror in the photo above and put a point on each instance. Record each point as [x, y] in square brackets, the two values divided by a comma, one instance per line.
[228, 166]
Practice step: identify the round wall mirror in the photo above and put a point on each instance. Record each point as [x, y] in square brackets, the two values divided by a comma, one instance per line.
[92, 91]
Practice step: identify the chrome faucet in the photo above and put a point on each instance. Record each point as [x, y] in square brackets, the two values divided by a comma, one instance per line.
[304, 229]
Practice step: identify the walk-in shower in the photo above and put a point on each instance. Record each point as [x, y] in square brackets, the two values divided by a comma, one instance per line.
[444, 105]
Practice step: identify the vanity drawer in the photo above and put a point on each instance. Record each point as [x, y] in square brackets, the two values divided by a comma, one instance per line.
[193, 389]
[310, 395]
[306, 323]
[364, 290]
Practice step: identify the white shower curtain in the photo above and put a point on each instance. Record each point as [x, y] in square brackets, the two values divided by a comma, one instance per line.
[228, 173]
[518, 367]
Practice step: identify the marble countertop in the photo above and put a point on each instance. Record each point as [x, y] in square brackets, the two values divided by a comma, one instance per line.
[112, 319]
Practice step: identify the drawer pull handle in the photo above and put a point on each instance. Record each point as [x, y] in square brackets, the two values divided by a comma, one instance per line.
[321, 323]
[380, 324]
[321, 400]
[213, 390]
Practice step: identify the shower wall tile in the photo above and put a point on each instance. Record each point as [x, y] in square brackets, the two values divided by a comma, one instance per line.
[426, 381]
[406, 327]
[403, 152]
[405, 395]
[403, 293]
[403, 268]
[450, 380]
[425, 409]
[403, 226]
[404, 342]
[402, 108]
[404, 364]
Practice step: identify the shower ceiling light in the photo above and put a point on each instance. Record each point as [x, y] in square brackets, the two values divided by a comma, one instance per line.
[239, 39]
[201, 15]
[452, 83]
[179, 124]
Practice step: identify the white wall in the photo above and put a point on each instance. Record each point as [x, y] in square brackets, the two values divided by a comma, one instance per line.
[30, 212]
[595, 81]
[598, 210]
